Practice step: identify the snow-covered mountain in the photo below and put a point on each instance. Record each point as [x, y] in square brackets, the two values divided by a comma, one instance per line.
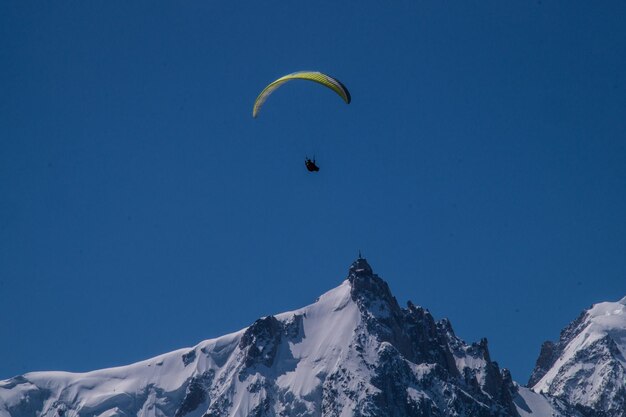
[586, 367]
[354, 352]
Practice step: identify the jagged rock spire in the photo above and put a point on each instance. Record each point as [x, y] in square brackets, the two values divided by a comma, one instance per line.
[360, 267]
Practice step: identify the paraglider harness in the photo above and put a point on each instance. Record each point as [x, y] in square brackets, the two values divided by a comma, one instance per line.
[310, 165]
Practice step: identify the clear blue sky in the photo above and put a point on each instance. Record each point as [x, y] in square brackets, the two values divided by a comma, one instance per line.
[481, 168]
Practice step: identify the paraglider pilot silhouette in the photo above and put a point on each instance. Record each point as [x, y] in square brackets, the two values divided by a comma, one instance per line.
[310, 165]
[317, 77]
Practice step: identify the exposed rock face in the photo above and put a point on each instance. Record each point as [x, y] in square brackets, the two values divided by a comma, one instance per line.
[195, 394]
[411, 338]
[547, 356]
[586, 367]
[260, 341]
[550, 351]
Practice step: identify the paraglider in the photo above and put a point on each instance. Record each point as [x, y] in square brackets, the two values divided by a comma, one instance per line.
[310, 165]
[318, 77]
[314, 76]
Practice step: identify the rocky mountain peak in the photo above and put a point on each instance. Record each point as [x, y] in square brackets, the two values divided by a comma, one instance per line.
[412, 336]
[547, 356]
[586, 367]
[361, 267]
[371, 292]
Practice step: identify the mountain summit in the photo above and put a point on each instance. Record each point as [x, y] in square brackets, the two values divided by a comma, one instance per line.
[354, 352]
[586, 367]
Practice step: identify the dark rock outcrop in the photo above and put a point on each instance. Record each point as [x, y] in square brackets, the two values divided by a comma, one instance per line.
[411, 337]
[260, 341]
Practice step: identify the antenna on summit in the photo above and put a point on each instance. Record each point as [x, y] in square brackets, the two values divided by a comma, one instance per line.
[360, 257]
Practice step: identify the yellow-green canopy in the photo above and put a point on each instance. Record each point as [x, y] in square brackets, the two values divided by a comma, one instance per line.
[317, 77]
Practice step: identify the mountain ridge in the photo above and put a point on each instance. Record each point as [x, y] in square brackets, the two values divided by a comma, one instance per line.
[353, 352]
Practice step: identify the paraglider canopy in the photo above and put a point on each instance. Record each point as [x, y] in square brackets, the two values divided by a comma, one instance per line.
[314, 76]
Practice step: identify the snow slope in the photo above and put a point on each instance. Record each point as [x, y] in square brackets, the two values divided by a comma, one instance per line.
[161, 386]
